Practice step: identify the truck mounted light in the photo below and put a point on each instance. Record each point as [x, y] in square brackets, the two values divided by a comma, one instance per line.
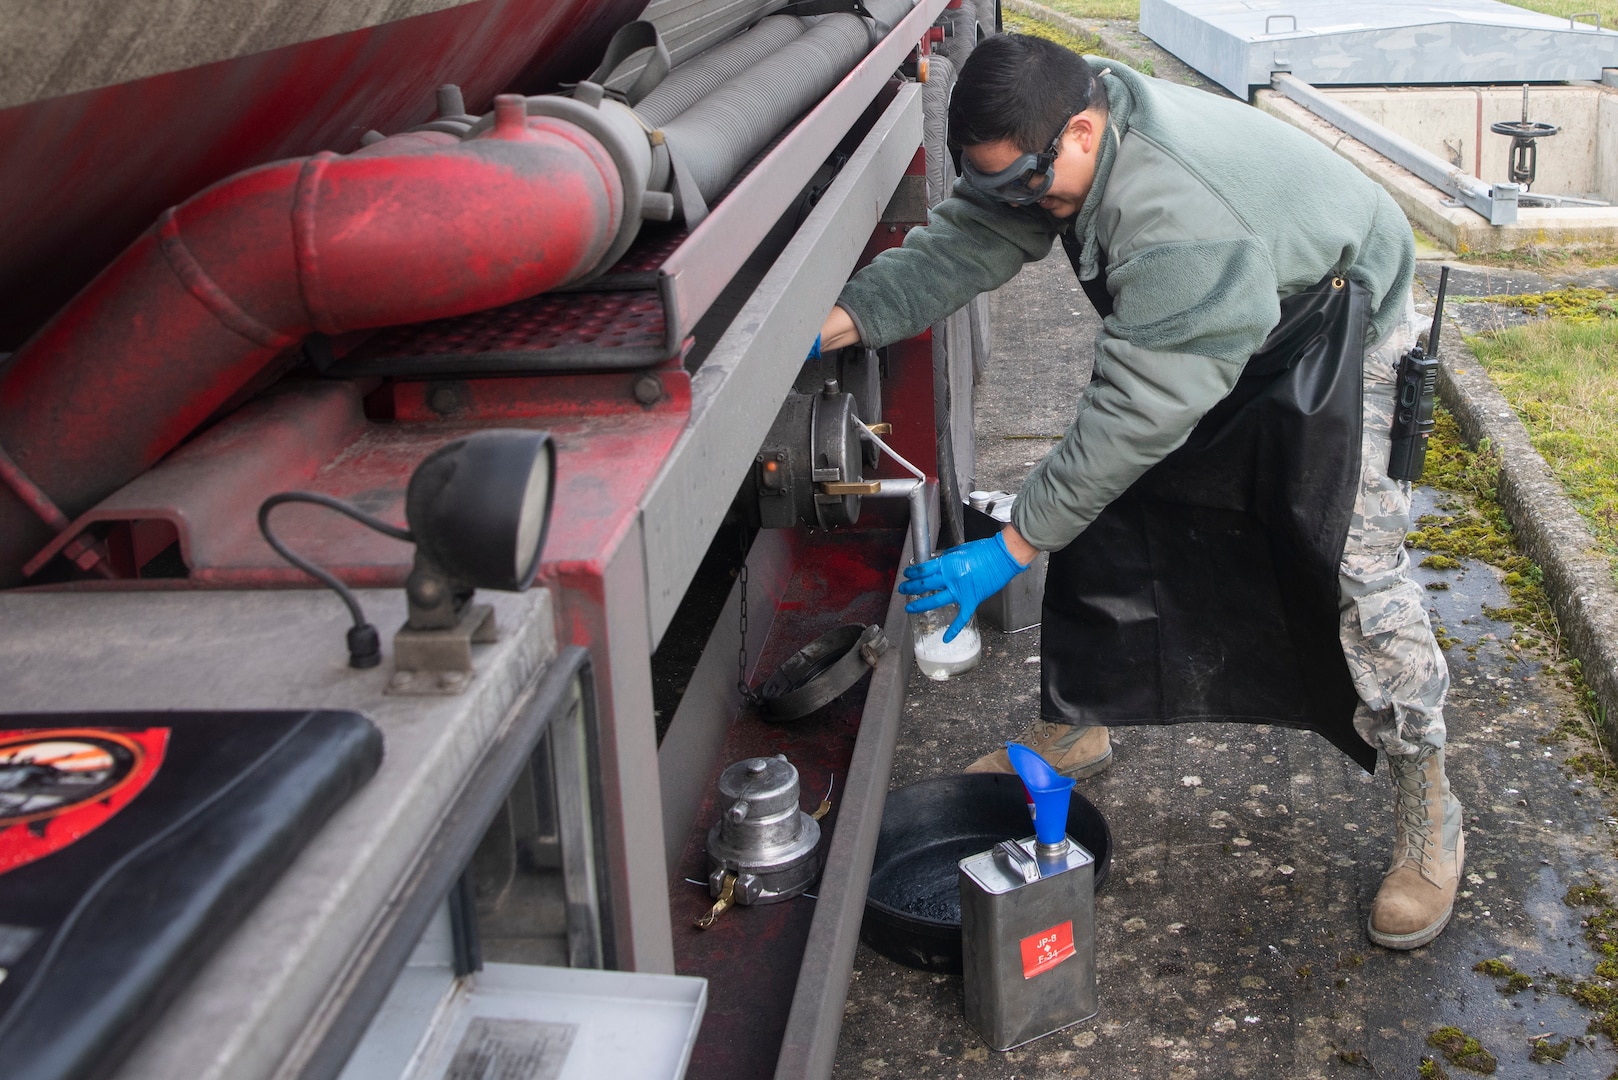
[478, 511]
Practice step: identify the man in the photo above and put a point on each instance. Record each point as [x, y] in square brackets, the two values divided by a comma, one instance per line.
[1243, 273]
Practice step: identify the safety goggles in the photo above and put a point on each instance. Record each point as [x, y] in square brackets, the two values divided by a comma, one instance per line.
[1024, 181]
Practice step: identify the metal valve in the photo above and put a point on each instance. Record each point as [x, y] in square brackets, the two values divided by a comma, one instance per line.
[810, 469]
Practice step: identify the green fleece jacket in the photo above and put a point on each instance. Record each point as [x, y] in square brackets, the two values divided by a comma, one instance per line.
[1208, 212]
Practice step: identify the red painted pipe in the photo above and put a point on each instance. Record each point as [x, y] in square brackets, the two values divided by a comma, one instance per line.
[415, 227]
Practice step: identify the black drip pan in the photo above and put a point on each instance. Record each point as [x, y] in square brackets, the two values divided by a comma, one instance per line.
[913, 905]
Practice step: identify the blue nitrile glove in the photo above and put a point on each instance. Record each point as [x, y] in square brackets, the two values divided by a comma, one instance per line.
[965, 575]
[814, 350]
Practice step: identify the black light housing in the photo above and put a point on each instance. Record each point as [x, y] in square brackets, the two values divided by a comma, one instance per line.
[479, 508]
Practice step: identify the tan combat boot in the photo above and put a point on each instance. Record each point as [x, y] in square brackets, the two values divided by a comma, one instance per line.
[1072, 751]
[1418, 894]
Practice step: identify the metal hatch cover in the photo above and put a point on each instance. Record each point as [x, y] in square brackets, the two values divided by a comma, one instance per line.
[1240, 43]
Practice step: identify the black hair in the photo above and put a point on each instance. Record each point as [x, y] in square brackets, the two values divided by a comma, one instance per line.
[1021, 88]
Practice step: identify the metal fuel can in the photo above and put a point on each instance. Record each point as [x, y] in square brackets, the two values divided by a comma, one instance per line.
[1018, 606]
[1028, 939]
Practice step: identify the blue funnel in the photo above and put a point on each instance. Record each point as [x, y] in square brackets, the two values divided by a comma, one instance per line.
[1049, 789]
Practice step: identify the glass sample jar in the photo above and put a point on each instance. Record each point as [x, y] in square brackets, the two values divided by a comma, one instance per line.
[939, 659]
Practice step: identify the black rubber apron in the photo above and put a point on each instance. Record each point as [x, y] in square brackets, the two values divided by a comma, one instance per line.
[1208, 590]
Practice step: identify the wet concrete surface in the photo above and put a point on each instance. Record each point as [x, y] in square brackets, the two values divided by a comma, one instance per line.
[1231, 935]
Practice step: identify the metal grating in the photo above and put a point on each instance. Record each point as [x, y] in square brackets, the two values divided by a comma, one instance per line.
[609, 329]
[1376, 42]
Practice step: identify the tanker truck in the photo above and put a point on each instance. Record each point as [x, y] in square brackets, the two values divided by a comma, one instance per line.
[433, 580]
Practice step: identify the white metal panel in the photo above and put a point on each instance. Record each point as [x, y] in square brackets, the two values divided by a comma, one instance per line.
[564, 1024]
[1240, 43]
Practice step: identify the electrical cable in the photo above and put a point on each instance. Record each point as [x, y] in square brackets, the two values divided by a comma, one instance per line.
[364, 644]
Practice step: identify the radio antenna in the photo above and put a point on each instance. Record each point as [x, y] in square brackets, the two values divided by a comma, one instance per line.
[1438, 314]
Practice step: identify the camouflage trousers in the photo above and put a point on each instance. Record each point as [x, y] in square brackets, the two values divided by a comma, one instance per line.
[1398, 669]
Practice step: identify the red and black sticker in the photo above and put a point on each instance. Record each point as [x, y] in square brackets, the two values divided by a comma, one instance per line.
[58, 785]
[1043, 951]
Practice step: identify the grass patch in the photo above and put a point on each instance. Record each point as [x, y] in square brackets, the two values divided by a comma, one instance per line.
[1540, 258]
[1103, 9]
[1021, 24]
[1608, 9]
[1560, 378]
[1083, 44]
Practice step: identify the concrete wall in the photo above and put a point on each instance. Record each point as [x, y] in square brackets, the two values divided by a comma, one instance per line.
[1453, 123]
[1436, 214]
[1606, 149]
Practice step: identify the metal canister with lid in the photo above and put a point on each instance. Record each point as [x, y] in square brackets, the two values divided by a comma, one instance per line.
[1028, 940]
[1017, 606]
[1028, 921]
[764, 848]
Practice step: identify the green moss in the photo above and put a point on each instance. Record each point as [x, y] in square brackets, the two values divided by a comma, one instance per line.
[1605, 1024]
[1515, 981]
[1472, 525]
[1593, 996]
[1570, 303]
[1600, 994]
[1591, 895]
[1545, 1050]
[1588, 763]
[1462, 1050]
[1430, 1069]
[1477, 528]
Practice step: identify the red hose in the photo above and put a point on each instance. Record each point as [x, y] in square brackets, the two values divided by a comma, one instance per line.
[415, 227]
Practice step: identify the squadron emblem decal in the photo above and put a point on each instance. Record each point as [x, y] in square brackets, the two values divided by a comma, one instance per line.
[58, 785]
